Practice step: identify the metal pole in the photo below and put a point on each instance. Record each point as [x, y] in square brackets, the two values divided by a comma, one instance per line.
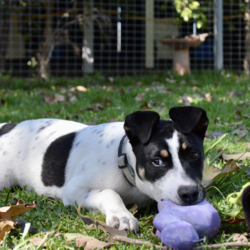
[218, 34]
[149, 39]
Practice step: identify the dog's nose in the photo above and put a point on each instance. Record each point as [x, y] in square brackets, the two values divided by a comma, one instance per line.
[188, 195]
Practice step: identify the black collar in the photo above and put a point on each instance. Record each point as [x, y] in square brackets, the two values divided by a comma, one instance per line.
[124, 165]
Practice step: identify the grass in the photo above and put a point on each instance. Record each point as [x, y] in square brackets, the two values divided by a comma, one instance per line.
[225, 97]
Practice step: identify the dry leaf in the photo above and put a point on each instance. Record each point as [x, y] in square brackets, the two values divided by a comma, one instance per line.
[187, 100]
[9, 214]
[90, 244]
[138, 84]
[240, 238]
[233, 221]
[5, 226]
[237, 156]
[81, 240]
[50, 99]
[170, 80]
[81, 88]
[211, 174]
[208, 97]
[146, 106]
[140, 97]
[36, 241]
[237, 115]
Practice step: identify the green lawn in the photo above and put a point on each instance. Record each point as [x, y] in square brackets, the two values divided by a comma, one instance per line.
[225, 97]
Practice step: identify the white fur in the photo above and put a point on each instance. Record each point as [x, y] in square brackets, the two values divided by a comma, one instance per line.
[92, 175]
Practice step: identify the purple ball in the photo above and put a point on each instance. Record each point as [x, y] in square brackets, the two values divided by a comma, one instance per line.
[179, 235]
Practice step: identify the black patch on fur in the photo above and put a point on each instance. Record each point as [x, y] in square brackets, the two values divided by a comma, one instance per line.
[246, 205]
[6, 128]
[55, 160]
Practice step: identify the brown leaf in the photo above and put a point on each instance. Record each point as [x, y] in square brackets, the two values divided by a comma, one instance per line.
[240, 238]
[50, 99]
[140, 97]
[233, 221]
[146, 106]
[208, 97]
[138, 84]
[211, 174]
[107, 100]
[9, 214]
[237, 115]
[37, 241]
[90, 244]
[237, 156]
[5, 226]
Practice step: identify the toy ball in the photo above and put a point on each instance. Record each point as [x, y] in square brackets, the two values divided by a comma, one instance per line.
[181, 226]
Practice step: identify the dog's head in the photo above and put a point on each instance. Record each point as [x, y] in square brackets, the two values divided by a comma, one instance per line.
[169, 153]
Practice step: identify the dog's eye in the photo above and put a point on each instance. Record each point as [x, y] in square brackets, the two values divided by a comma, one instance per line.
[157, 162]
[194, 155]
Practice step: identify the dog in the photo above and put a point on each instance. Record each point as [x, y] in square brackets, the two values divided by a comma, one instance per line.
[110, 165]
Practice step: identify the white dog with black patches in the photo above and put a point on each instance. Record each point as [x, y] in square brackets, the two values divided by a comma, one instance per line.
[110, 165]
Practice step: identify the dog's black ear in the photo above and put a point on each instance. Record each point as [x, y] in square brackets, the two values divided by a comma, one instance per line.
[140, 124]
[245, 200]
[190, 119]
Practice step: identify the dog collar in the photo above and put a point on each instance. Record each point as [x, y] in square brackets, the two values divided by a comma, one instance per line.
[124, 165]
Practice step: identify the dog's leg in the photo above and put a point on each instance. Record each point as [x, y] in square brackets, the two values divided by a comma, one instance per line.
[106, 201]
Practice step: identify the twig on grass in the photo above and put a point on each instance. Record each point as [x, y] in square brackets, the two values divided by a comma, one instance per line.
[228, 244]
[137, 242]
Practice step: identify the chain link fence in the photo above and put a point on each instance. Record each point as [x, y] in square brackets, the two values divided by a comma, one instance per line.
[72, 38]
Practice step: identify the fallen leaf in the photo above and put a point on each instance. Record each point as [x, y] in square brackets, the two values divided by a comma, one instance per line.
[187, 100]
[233, 221]
[237, 156]
[111, 79]
[37, 241]
[138, 84]
[170, 80]
[215, 135]
[60, 98]
[211, 174]
[240, 238]
[146, 106]
[237, 115]
[140, 97]
[81, 89]
[90, 244]
[50, 99]
[208, 97]
[5, 226]
[81, 240]
[9, 213]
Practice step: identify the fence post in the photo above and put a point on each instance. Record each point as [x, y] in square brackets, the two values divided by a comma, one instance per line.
[149, 39]
[88, 39]
[218, 34]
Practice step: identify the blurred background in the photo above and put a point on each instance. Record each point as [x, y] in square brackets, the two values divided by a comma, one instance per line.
[72, 38]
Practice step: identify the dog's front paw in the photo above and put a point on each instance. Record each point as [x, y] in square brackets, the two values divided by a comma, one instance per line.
[123, 220]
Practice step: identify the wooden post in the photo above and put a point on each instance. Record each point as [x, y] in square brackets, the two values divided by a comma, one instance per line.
[149, 39]
[88, 39]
